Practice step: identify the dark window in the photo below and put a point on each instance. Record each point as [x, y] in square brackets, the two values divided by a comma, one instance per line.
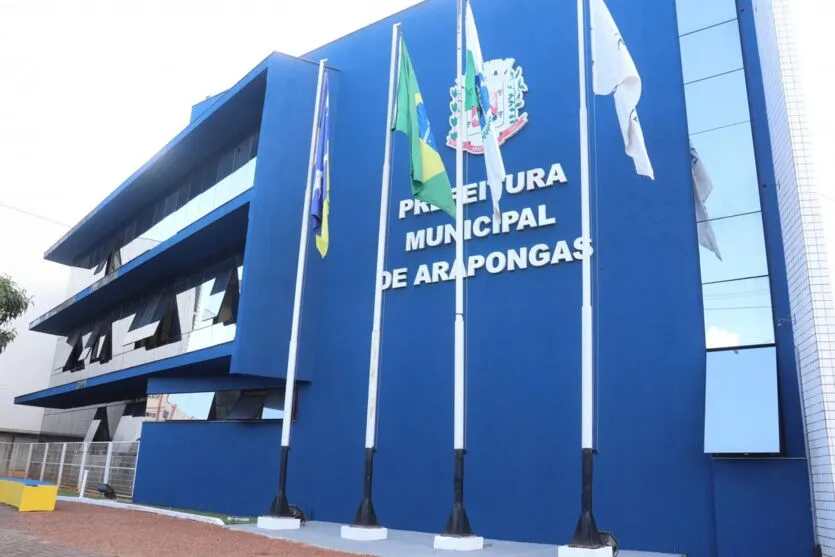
[168, 329]
[223, 403]
[228, 312]
[248, 406]
[100, 343]
[75, 362]
[114, 261]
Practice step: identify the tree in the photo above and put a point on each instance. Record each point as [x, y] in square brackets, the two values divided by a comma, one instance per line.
[14, 301]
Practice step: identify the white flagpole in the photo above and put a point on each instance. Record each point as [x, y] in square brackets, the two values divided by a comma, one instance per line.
[458, 531]
[281, 506]
[586, 533]
[459, 248]
[366, 517]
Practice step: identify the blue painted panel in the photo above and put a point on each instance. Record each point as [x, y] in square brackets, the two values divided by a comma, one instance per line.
[237, 110]
[221, 467]
[523, 326]
[762, 508]
[204, 105]
[221, 230]
[131, 382]
[270, 260]
[169, 385]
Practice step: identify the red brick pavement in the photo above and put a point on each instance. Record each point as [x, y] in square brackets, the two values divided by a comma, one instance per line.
[81, 530]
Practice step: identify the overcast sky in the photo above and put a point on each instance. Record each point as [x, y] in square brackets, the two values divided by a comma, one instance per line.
[90, 89]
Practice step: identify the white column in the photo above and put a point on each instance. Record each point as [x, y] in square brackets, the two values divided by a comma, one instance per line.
[43, 462]
[108, 458]
[28, 460]
[83, 464]
[61, 465]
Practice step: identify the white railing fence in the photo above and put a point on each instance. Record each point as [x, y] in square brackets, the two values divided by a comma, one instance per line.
[64, 464]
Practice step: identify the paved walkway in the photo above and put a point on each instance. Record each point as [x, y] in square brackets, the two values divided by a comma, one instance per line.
[410, 544]
[96, 531]
[14, 543]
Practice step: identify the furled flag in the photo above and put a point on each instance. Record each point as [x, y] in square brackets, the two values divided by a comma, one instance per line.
[320, 205]
[430, 182]
[702, 186]
[477, 98]
[614, 72]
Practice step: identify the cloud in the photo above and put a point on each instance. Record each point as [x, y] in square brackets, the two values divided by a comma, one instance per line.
[717, 336]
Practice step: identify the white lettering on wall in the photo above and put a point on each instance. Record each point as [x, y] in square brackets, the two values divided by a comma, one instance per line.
[481, 226]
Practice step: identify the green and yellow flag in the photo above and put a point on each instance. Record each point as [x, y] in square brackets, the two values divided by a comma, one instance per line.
[430, 182]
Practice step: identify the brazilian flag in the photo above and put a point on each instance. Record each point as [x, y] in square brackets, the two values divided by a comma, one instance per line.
[430, 182]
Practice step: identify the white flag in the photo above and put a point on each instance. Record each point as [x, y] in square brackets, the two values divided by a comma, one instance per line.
[702, 186]
[613, 71]
[477, 98]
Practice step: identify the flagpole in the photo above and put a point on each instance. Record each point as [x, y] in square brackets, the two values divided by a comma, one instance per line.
[366, 517]
[586, 533]
[280, 506]
[458, 533]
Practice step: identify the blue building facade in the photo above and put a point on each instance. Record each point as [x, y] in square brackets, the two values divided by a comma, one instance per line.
[189, 271]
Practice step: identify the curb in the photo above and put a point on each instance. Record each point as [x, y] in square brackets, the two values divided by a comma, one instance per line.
[141, 508]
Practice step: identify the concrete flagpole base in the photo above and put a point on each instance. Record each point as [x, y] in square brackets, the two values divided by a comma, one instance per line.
[364, 533]
[569, 551]
[279, 523]
[459, 543]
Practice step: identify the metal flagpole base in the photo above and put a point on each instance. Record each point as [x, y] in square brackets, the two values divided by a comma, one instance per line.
[366, 527]
[586, 535]
[458, 534]
[280, 506]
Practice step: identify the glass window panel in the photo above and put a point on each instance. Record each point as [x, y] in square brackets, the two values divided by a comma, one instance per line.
[247, 407]
[186, 301]
[225, 165]
[742, 414]
[738, 313]
[187, 406]
[711, 52]
[742, 244]
[216, 294]
[120, 329]
[62, 351]
[728, 157]
[273, 405]
[716, 102]
[146, 322]
[698, 14]
[223, 403]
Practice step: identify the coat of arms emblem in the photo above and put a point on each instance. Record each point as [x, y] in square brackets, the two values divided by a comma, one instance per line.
[507, 88]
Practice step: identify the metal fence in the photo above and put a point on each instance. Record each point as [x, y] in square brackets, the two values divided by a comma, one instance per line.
[64, 464]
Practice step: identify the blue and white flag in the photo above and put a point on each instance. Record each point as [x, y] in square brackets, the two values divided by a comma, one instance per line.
[614, 73]
[477, 98]
[320, 204]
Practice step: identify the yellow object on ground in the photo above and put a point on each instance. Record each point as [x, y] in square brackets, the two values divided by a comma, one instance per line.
[28, 495]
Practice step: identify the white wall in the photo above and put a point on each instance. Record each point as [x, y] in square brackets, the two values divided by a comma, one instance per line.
[25, 364]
